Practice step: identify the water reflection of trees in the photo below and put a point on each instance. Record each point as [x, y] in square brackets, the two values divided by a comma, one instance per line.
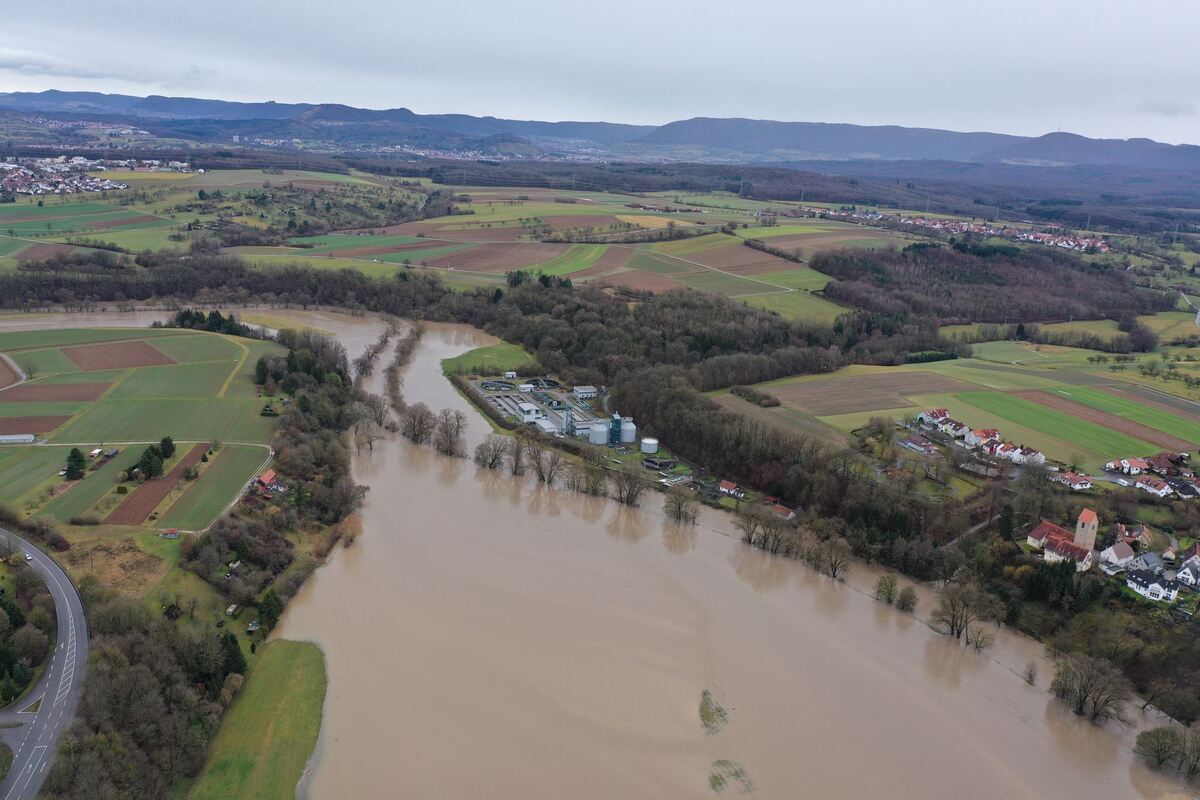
[678, 537]
[627, 524]
[762, 571]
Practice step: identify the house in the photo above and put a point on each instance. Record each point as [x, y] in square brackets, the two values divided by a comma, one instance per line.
[1138, 537]
[730, 488]
[1073, 481]
[1147, 562]
[1113, 559]
[1189, 574]
[1002, 450]
[267, 478]
[1162, 463]
[1027, 455]
[1183, 487]
[1151, 586]
[980, 437]
[584, 392]
[953, 428]
[933, 417]
[1154, 486]
[919, 444]
[784, 512]
[1134, 466]
[170, 533]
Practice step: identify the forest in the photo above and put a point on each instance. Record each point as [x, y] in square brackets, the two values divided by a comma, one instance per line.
[964, 284]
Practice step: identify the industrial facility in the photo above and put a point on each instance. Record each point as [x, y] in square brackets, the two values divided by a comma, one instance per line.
[544, 404]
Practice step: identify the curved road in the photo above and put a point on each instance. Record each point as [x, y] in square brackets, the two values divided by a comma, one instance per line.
[33, 736]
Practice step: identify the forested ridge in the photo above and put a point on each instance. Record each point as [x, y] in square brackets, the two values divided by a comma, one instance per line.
[965, 284]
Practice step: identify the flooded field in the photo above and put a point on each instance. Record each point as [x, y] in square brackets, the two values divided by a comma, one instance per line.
[487, 637]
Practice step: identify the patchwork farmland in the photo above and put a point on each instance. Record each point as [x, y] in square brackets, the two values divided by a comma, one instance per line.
[1074, 412]
[120, 390]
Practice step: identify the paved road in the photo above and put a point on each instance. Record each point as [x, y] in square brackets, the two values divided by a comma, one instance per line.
[33, 736]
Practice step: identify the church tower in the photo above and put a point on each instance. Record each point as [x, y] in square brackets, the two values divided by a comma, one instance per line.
[1085, 529]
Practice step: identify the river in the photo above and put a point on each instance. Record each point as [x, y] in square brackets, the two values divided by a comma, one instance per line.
[487, 637]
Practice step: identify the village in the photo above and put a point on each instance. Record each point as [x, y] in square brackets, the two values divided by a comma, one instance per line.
[1049, 238]
[73, 174]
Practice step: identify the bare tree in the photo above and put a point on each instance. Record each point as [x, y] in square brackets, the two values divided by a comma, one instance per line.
[680, 506]
[1030, 674]
[535, 448]
[448, 432]
[417, 423]
[366, 433]
[1162, 744]
[980, 639]
[1092, 687]
[834, 557]
[489, 454]
[515, 452]
[553, 464]
[630, 487]
[960, 605]
[376, 409]
[586, 479]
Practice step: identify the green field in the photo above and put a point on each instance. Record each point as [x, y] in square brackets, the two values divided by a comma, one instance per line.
[494, 359]
[1134, 410]
[208, 396]
[270, 730]
[804, 279]
[797, 305]
[1085, 435]
[722, 283]
[222, 479]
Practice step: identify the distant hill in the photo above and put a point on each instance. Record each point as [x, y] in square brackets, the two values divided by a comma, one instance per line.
[702, 139]
[817, 140]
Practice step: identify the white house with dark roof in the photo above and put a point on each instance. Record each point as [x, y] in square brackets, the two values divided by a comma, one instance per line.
[1151, 586]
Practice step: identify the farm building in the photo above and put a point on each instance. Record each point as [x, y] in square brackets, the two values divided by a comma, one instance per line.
[933, 417]
[919, 444]
[730, 488]
[17, 438]
[981, 437]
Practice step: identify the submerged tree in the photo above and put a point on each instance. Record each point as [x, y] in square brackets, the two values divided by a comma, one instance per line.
[1092, 687]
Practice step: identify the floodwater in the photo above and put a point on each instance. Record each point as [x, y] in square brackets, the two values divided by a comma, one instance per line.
[487, 637]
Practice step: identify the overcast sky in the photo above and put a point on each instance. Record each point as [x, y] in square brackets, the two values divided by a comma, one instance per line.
[1096, 67]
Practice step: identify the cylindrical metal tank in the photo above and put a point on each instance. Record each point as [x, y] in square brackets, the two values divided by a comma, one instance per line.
[650, 446]
[598, 433]
[628, 431]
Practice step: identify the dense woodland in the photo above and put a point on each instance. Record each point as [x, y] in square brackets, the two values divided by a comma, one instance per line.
[969, 283]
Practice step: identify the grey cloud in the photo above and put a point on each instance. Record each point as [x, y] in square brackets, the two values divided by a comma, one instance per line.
[1171, 109]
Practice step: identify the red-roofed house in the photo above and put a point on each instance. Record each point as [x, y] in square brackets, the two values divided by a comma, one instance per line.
[1154, 486]
[976, 438]
[1074, 482]
[934, 416]
[730, 488]
[267, 478]
[1044, 530]
[1058, 549]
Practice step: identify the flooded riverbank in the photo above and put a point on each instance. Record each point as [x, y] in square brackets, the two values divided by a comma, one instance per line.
[489, 637]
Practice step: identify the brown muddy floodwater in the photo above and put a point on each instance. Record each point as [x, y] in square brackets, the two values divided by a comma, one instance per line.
[487, 637]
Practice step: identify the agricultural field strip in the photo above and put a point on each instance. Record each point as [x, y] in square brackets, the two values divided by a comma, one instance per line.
[1133, 410]
[1086, 435]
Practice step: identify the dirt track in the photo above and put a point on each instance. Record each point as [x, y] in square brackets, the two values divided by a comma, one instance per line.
[145, 498]
[53, 392]
[117, 355]
[1107, 420]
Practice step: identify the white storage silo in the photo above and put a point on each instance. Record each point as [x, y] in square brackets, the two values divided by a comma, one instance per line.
[628, 431]
[598, 433]
[650, 446]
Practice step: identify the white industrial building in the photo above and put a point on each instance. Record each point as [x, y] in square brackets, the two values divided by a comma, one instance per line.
[585, 392]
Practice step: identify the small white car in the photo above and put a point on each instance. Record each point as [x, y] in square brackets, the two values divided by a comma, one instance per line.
[28, 557]
[1122, 482]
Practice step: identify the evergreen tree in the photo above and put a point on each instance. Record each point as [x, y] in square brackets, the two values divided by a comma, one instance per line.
[150, 465]
[166, 448]
[75, 464]
[269, 609]
[234, 660]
